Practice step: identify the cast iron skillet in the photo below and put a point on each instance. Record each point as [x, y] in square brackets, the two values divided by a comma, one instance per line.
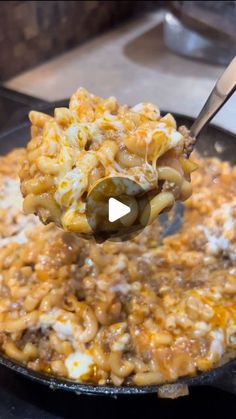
[223, 377]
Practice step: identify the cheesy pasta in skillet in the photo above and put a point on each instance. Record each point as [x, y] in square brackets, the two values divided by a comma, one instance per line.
[96, 139]
[139, 312]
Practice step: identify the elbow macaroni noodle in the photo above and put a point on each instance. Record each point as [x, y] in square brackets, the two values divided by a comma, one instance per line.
[135, 312]
[95, 139]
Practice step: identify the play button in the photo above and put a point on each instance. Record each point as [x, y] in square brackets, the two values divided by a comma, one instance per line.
[114, 207]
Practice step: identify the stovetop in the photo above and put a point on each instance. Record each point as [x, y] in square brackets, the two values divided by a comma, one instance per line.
[23, 399]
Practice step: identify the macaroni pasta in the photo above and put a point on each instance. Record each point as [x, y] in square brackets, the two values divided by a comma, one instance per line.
[96, 139]
[139, 312]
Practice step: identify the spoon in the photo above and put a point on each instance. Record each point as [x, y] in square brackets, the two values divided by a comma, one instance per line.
[222, 91]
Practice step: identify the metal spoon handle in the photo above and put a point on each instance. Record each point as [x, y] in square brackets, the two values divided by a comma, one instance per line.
[224, 88]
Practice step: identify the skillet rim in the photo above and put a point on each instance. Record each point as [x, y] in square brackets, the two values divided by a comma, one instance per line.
[212, 377]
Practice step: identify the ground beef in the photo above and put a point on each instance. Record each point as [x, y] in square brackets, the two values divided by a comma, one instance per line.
[188, 140]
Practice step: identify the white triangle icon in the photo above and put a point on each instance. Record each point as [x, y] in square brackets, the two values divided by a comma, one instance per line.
[116, 209]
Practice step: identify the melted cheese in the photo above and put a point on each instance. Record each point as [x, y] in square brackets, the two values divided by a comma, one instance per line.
[76, 162]
[64, 328]
[219, 230]
[79, 365]
[217, 345]
[19, 224]
[10, 194]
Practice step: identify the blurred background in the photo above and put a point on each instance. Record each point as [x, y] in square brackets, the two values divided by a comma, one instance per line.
[168, 52]
[32, 32]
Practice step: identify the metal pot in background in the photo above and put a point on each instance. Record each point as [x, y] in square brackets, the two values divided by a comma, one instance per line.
[204, 30]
